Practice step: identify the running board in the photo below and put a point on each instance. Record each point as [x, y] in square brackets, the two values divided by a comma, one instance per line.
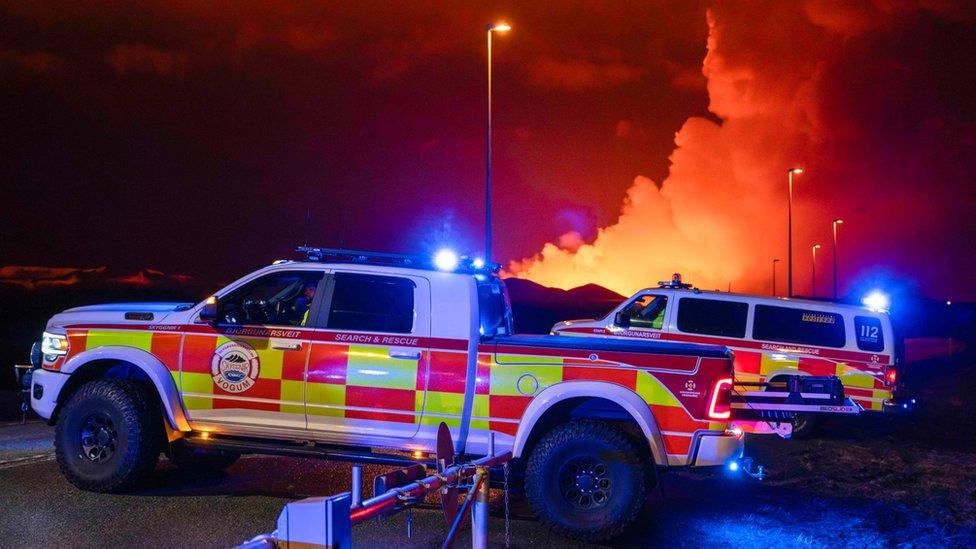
[247, 445]
[781, 400]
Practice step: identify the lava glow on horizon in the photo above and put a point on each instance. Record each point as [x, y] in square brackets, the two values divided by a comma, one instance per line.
[791, 84]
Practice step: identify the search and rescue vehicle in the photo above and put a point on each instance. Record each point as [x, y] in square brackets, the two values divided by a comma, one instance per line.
[360, 356]
[773, 338]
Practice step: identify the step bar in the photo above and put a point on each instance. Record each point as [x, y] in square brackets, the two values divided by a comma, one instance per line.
[306, 449]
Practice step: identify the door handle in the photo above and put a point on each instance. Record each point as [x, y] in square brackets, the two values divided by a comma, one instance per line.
[409, 355]
[287, 346]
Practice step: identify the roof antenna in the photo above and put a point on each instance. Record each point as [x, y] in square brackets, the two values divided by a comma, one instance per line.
[308, 220]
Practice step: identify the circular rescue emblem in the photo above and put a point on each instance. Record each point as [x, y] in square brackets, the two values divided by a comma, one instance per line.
[235, 367]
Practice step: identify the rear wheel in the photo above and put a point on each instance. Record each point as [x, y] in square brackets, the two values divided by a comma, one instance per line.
[586, 480]
[804, 425]
[108, 435]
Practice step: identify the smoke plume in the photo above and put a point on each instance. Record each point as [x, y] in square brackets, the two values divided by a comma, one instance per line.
[868, 97]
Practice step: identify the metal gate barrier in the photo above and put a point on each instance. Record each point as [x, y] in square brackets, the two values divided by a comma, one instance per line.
[328, 521]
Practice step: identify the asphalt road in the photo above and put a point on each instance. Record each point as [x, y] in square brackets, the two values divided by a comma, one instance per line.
[40, 509]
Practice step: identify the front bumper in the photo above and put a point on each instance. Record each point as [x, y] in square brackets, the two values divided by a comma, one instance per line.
[45, 388]
[716, 449]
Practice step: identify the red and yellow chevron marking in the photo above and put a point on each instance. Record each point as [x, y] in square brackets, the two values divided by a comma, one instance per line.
[341, 380]
[863, 387]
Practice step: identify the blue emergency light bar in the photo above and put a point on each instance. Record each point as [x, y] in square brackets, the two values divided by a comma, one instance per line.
[443, 261]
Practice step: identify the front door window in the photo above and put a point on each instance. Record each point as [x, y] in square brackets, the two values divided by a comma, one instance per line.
[647, 311]
[282, 299]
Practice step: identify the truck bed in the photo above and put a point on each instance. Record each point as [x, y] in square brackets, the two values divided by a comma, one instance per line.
[617, 345]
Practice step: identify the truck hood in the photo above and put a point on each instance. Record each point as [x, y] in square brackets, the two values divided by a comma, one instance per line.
[568, 323]
[118, 313]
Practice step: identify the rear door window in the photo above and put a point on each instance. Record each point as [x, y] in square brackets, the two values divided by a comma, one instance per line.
[371, 303]
[803, 326]
[712, 317]
[869, 333]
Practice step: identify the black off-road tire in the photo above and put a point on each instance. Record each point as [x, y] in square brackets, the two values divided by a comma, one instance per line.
[96, 411]
[201, 460]
[560, 468]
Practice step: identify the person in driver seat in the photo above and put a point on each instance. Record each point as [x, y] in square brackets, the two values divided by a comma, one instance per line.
[303, 304]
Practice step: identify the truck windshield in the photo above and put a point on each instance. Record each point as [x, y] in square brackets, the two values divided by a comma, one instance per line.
[496, 310]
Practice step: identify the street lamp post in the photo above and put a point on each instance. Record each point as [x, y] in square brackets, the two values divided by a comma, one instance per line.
[836, 222]
[775, 261]
[789, 260]
[489, 28]
[813, 284]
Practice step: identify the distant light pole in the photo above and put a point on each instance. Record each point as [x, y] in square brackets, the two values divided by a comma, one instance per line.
[489, 28]
[814, 283]
[775, 261]
[836, 222]
[789, 261]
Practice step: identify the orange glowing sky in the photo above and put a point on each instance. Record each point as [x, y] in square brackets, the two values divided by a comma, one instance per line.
[632, 140]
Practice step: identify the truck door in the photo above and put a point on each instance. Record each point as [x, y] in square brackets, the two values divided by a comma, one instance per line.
[367, 371]
[248, 368]
[645, 316]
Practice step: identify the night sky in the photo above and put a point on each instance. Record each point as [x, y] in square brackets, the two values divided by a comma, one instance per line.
[631, 140]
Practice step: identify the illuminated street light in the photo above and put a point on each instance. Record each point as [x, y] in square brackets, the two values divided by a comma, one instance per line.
[775, 261]
[836, 222]
[789, 260]
[489, 28]
[814, 283]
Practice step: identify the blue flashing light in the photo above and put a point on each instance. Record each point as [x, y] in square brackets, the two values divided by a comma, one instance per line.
[877, 301]
[478, 263]
[446, 260]
[733, 466]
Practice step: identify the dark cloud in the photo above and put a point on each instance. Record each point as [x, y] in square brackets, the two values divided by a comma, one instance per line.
[195, 136]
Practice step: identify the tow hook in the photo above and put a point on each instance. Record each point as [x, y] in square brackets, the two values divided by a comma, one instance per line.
[747, 466]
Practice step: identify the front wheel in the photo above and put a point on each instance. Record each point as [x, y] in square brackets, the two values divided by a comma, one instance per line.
[108, 435]
[586, 480]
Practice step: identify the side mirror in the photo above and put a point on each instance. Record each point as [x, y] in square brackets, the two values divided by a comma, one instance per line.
[209, 310]
[622, 319]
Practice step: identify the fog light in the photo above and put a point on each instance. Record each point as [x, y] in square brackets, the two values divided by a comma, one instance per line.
[38, 391]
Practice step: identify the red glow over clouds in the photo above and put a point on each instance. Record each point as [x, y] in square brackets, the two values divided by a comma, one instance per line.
[637, 140]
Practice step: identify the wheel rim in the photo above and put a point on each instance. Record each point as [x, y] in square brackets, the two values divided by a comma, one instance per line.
[99, 440]
[585, 483]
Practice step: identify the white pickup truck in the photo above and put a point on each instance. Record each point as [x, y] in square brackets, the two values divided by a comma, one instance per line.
[347, 352]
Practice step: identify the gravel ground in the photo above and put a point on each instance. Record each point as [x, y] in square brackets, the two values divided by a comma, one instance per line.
[831, 492]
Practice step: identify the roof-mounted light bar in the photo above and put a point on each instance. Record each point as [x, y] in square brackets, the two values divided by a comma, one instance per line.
[444, 260]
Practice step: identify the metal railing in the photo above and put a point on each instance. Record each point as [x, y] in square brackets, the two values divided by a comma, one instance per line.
[328, 521]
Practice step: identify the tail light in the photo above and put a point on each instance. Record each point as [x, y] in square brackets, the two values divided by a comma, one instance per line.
[891, 375]
[719, 405]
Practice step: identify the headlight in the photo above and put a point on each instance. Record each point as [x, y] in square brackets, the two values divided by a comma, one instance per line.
[53, 345]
